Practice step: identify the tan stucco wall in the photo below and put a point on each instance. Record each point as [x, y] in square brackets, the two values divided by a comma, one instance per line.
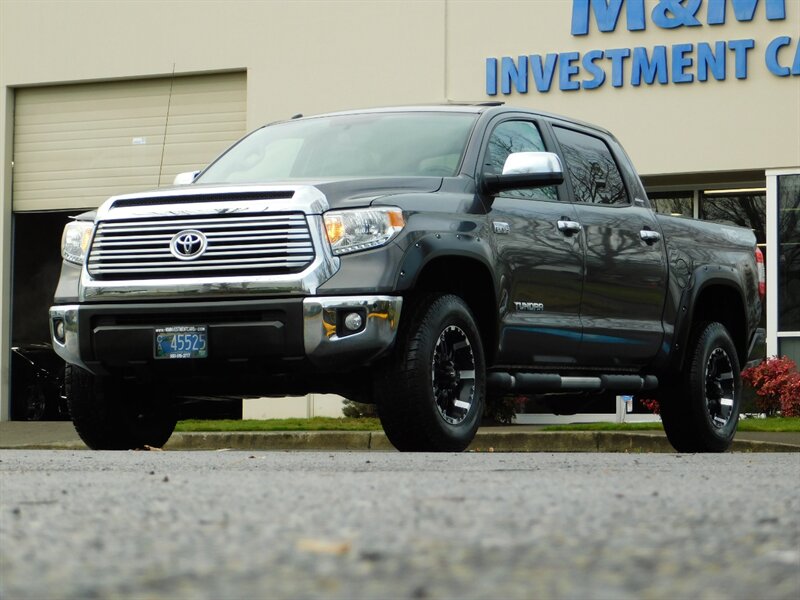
[313, 56]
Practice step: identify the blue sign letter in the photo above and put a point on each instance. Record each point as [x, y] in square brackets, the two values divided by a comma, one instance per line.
[543, 74]
[606, 13]
[711, 60]
[771, 56]
[566, 70]
[744, 10]
[491, 76]
[680, 62]
[669, 14]
[643, 66]
[509, 73]
[740, 49]
[590, 66]
[617, 56]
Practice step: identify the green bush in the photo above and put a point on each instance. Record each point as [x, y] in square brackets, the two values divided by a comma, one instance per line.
[358, 410]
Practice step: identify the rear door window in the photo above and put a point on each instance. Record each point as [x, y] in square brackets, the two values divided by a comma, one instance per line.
[592, 170]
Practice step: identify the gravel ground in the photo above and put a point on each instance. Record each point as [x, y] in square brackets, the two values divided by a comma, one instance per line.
[386, 525]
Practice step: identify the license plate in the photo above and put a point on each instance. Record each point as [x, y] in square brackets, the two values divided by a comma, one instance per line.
[182, 341]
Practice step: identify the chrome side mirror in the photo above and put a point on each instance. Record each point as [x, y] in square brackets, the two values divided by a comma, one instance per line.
[532, 162]
[526, 170]
[185, 178]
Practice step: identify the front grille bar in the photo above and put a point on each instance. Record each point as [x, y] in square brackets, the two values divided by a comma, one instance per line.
[256, 244]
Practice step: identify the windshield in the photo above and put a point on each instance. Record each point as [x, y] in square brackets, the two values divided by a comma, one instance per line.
[361, 145]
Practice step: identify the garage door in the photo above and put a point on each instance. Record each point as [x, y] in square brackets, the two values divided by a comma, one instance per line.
[76, 145]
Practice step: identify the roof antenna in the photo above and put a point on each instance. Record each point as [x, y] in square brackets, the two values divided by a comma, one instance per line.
[166, 123]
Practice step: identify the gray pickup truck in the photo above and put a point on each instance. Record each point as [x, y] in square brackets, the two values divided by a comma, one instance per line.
[423, 259]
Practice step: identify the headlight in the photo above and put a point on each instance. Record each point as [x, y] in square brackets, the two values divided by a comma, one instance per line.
[360, 229]
[75, 241]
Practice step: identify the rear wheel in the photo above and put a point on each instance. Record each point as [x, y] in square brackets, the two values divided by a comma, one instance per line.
[432, 393]
[111, 416]
[701, 414]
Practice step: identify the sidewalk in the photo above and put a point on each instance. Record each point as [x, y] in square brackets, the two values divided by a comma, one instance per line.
[512, 438]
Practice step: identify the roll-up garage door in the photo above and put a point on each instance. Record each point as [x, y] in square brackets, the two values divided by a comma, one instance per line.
[76, 145]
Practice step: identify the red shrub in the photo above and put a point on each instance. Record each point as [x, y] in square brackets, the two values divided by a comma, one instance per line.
[651, 405]
[777, 385]
[790, 400]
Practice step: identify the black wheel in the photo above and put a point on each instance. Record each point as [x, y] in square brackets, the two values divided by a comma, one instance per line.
[431, 394]
[111, 416]
[701, 414]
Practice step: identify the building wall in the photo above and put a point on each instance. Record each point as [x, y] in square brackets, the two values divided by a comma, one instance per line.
[314, 56]
[308, 57]
[728, 125]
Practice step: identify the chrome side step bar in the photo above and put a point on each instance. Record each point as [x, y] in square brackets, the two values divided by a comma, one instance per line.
[546, 382]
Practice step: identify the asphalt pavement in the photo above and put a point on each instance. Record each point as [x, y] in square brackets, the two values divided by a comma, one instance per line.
[384, 525]
[513, 438]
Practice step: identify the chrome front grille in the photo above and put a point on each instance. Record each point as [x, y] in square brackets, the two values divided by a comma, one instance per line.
[251, 244]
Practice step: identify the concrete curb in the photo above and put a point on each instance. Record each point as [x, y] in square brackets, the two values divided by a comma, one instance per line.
[485, 441]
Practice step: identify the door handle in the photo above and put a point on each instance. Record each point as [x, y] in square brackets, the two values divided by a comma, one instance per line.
[569, 227]
[649, 236]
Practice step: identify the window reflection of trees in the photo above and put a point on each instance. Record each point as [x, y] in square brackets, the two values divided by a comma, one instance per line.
[672, 203]
[744, 210]
[593, 172]
[789, 253]
[516, 136]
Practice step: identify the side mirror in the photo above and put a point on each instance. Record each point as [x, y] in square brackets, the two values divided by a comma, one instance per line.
[185, 178]
[526, 170]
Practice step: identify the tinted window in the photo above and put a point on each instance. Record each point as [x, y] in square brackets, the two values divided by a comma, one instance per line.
[594, 174]
[515, 136]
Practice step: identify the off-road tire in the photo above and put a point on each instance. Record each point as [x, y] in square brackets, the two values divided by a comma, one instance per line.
[423, 388]
[107, 416]
[701, 412]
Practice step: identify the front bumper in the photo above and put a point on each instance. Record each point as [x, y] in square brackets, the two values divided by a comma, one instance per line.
[102, 337]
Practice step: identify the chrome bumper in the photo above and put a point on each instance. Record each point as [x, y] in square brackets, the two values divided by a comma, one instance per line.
[67, 348]
[326, 343]
[322, 330]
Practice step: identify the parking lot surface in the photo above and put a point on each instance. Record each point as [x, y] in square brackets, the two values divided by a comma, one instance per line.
[386, 525]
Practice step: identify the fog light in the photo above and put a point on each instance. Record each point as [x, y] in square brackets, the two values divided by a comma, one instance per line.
[58, 328]
[353, 321]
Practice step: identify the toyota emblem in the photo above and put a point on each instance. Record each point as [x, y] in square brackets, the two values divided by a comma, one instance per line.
[188, 244]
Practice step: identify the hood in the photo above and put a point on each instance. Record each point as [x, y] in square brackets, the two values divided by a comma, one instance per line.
[340, 193]
[352, 193]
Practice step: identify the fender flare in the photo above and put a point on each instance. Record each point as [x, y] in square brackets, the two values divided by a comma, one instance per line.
[702, 279]
[432, 246]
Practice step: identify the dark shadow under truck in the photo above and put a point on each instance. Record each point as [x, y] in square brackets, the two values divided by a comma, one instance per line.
[423, 259]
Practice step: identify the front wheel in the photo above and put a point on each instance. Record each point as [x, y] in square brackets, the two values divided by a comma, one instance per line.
[111, 416]
[431, 395]
[702, 412]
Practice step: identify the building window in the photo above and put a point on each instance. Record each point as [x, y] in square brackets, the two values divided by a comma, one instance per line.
[677, 204]
[789, 254]
[746, 210]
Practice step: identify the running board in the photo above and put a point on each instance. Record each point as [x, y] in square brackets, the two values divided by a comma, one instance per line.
[545, 382]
